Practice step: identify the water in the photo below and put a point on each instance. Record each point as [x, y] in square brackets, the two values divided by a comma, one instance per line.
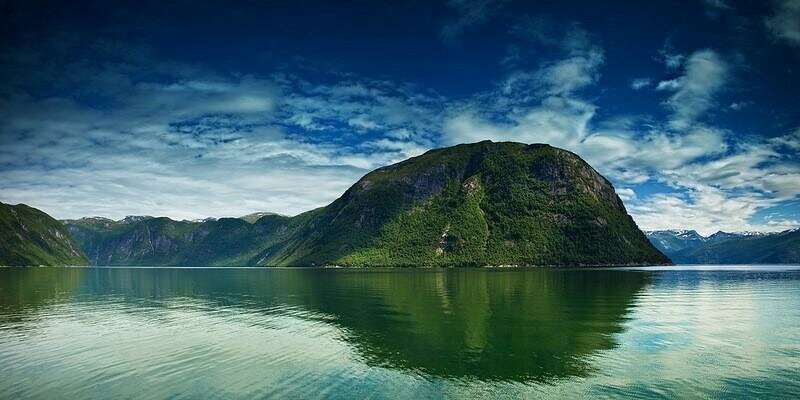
[719, 332]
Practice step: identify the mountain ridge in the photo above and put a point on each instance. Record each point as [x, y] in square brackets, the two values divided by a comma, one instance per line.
[483, 203]
[29, 236]
[729, 247]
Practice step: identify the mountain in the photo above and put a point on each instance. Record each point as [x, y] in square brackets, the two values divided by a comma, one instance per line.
[252, 218]
[728, 247]
[163, 241]
[721, 236]
[672, 241]
[475, 204]
[31, 237]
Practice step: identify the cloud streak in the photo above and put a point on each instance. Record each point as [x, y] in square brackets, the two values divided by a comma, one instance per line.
[705, 74]
[784, 23]
[469, 14]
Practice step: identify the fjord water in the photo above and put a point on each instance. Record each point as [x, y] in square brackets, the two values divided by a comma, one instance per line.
[731, 332]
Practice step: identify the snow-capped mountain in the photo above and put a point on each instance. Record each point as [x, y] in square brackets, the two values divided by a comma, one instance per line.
[748, 247]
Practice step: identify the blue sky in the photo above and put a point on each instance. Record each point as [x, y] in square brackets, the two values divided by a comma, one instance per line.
[192, 110]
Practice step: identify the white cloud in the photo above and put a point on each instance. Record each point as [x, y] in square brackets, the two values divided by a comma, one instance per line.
[764, 167]
[626, 194]
[568, 75]
[726, 192]
[714, 8]
[196, 144]
[640, 83]
[790, 141]
[576, 67]
[362, 122]
[366, 106]
[671, 59]
[579, 68]
[466, 128]
[738, 105]
[718, 4]
[784, 23]
[706, 210]
[672, 84]
[705, 74]
[556, 120]
[469, 14]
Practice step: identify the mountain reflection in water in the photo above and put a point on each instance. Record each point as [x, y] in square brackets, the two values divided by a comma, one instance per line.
[397, 333]
[488, 324]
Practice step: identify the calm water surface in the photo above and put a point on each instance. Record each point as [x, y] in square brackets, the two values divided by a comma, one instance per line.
[718, 332]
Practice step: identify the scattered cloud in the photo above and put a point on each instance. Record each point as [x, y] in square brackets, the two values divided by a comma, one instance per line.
[738, 105]
[626, 194]
[718, 4]
[576, 67]
[706, 210]
[716, 7]
[193, 143]
[640, 83]
[670, 58]
[726, 192]
[565, 76]
[469, 15]
[671, 84]
[705, 74]
[159, 137]
[784, 23]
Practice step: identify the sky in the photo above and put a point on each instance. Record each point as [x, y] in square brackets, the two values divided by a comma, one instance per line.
[211, 109]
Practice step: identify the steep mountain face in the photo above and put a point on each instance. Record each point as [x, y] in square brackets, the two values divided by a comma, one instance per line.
[477, 204]
[162, 241]
[673, 241]
[31, 237]
[729, 248]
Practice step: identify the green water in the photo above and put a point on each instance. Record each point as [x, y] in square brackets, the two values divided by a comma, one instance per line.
[723, 332]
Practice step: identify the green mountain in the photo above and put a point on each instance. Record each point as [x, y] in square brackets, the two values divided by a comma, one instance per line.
[475, 204]
[163, 241]
[729, 248]
[31, 237]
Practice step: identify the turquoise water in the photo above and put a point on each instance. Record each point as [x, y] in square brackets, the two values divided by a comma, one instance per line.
[718, 332]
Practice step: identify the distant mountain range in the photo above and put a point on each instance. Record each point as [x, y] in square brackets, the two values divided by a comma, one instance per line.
[689, 247]
[252, 218]
[475, 204]
[163, 241]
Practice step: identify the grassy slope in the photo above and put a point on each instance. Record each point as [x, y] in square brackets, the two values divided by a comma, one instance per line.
[31, 237]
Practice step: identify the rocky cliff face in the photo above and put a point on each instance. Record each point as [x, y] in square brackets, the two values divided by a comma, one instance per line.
[30, 237]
